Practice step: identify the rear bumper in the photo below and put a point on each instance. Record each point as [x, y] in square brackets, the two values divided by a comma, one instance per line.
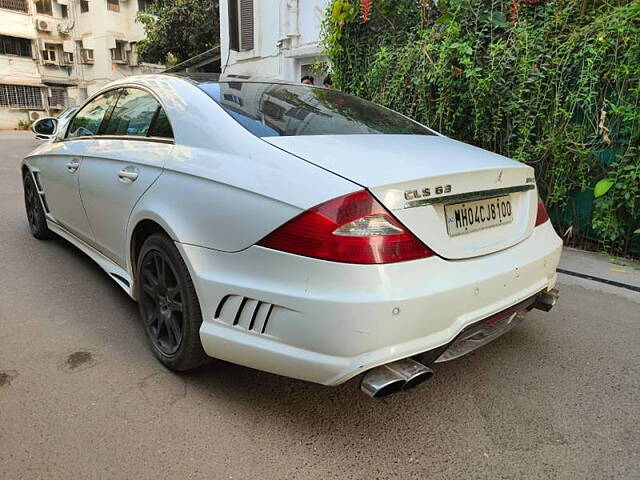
[327, 322]
[478, 334]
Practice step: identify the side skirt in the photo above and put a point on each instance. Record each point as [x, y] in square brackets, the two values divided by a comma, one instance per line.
[117, 273]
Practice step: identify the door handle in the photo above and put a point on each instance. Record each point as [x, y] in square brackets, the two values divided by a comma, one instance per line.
[73, 165]
[128, 175]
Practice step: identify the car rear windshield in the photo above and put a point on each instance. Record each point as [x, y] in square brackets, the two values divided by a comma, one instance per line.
[272, 109]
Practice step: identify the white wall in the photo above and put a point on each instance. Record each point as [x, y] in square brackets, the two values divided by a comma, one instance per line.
[16, 70]
[16, 24]
[286, 36]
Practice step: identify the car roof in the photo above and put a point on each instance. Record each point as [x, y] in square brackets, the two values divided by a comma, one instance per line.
[182, 97]
[197, 78]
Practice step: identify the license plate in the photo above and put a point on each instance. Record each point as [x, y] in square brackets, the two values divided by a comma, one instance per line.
[473, 216]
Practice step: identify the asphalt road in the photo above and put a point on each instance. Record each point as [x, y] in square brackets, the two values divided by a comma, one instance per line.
[82, 397]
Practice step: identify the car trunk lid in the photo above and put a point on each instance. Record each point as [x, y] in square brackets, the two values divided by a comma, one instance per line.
[428, 182]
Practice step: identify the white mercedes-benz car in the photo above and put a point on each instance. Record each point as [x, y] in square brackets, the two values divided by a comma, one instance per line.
[294, 229]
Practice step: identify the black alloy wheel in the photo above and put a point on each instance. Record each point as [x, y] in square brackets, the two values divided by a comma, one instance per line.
[162, 302]
[169, 305]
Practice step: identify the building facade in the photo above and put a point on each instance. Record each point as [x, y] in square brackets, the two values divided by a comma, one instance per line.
[271, 38]
[55, 53]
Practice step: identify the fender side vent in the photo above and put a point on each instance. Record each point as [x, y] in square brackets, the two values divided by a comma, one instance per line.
[36, 179]
[244, 312]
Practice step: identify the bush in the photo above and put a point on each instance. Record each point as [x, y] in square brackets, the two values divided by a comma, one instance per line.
[555, 84]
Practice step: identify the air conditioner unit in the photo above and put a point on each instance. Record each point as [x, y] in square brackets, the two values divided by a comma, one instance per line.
[43, 26]
[33, 115]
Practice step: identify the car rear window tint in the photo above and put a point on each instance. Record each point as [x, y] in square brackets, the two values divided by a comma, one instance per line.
[271, 109]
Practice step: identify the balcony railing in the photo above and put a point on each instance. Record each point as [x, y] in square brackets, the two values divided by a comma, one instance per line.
[16, 5]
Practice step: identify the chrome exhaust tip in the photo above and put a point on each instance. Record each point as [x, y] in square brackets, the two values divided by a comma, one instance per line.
[545, 301]
[388, 379]
[381, 382]
[414, 373]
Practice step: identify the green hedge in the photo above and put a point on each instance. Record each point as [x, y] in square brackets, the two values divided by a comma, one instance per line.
[555, 84]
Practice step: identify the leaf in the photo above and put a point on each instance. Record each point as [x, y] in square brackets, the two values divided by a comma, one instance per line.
[444, 19]
[602, 187]
[636, 231]
[499, 20]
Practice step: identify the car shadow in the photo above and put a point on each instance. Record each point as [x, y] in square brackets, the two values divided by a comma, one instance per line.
[316, 405]
[313, 407]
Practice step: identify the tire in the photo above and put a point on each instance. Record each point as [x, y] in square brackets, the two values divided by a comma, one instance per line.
[33, 206]
[169, 305]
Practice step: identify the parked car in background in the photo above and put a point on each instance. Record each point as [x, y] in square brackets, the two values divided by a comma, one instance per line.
[46, 127]
[294, 229]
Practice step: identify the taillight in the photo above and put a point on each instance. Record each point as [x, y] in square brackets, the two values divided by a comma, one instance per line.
[542, 215]
[353, 228]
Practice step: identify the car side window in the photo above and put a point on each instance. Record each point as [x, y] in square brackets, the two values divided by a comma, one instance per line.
[88, 120]
[161, 127]
[133, 113]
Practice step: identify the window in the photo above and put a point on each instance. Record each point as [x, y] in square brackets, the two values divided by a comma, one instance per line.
[15, 46]
[84, 6]
[49, 53]
[88, 120]
[86, 54]
[58, 98]
[133, 113]
[240, 25]
[143, 5]
[161, 127]
[113, 5]
[44, 7]
[64, 11]
[119, 54]
[291, 110]
[17, 5]
[67, 58]
[18, 96]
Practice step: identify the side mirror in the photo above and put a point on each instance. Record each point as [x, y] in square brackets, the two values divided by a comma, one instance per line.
[45, 128]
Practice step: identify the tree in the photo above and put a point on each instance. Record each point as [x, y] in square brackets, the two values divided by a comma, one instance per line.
[178, 29]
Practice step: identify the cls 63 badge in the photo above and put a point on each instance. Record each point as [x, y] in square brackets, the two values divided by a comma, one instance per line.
[427, 192]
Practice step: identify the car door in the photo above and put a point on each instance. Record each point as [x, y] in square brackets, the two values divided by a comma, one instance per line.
[121, 164]
[57, 169]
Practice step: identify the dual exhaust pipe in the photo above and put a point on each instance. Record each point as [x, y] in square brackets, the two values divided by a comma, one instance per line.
[392, 377]
[406, 374]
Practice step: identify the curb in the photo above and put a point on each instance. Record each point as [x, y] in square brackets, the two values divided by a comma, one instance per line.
[599, 279]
